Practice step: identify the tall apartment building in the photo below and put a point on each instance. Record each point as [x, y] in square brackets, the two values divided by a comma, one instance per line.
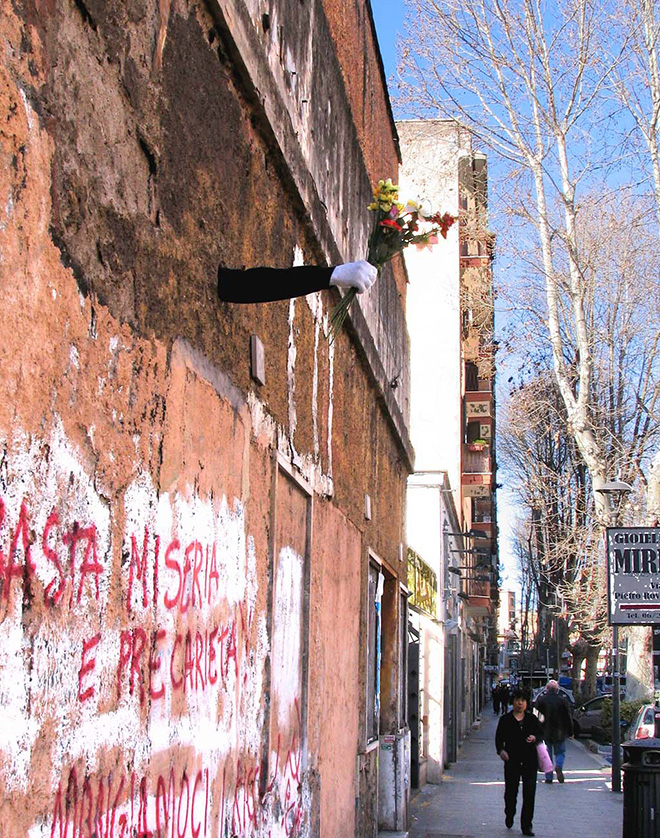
[451, 509]
[508, 634]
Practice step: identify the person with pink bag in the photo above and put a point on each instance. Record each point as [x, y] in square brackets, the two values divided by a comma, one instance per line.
[518, 733]
[557, 727]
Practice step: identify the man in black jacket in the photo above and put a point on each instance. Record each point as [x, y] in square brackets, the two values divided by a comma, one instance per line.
[517, 736]
[557, 726]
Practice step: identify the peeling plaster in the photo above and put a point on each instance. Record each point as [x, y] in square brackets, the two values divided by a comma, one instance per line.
[316, 307]
[287, 633]
[291, 373]
[42, 661]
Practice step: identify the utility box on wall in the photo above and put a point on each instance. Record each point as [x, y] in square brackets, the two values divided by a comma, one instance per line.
[394, 781]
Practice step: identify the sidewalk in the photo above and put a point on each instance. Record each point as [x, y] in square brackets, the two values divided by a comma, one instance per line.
[469, 803]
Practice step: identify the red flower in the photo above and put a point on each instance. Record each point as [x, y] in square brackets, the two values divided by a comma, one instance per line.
[389, 222]
[445, 223]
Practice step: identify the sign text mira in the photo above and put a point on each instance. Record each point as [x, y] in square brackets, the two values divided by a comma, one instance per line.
[633, 575]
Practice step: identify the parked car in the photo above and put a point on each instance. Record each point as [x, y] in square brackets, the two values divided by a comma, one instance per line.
[586, 717]
[605, 684]
[643, 727]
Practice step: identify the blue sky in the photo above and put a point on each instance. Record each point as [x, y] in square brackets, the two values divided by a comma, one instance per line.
[389, 18]
[388, 15]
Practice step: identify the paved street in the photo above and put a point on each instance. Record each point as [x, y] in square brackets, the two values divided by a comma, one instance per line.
[469, 803]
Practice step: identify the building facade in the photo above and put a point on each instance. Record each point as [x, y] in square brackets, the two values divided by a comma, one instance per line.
[203, 593]
[450, 320]
[508, 634]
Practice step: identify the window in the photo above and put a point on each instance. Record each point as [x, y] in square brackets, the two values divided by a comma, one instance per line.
[471, 376]
[374, 598]
[403, 659]
[473, 431]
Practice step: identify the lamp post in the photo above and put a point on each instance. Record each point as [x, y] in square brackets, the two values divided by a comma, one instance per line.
[614, 491]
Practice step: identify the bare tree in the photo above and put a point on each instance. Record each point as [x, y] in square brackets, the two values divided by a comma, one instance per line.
[541, 86]
[536, 445]
[559, 560]
[529, 84]
[635, 60]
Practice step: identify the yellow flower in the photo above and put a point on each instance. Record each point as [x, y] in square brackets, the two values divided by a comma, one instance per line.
[386, 190]
[386, 195]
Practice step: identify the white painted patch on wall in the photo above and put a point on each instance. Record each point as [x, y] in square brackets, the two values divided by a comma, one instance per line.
[74, 358]
[331, 389]
[287, 633]
[41, 683]
[9, 212]
[18, 730]
[46, 486]
[292, 353]
[263, 424]
[51, 479]
[316, 307]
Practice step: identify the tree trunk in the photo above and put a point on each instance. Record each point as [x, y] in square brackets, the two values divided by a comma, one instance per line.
[639, 671]
[653, 492]
[579, 651]
[561, 640]
[591, 672]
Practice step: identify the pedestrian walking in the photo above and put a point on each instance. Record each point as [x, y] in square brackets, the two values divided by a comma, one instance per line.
[557, 726]
[505, 698]
[496, 698]
[517, 736]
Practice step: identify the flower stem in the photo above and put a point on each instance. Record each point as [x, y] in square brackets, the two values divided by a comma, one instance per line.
[340, 313]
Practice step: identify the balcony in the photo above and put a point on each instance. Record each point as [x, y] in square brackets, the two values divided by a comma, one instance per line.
[477, 589]
[474, 260]
[477, 598]
[479, 606]
[476, 458]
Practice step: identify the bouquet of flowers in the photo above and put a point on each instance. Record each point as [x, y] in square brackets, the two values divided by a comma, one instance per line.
[396, 225]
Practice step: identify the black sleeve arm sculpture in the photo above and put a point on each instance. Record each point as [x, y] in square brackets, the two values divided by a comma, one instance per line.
[264, 285]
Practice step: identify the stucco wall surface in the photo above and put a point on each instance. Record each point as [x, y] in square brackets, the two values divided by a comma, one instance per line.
[431, 150]
[181, 550]
[304, 69]
[179, 619]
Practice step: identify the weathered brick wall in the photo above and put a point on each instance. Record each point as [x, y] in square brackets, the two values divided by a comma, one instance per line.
[174, 606]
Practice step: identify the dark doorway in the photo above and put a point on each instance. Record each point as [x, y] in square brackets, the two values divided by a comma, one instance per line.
[413, 704]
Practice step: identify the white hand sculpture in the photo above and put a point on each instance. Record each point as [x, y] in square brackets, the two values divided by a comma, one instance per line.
[359, 275]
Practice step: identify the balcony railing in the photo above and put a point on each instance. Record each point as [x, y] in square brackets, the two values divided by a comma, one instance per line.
[476, 461]
[474, 588]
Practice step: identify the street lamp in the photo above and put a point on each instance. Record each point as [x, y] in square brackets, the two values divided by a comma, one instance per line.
[614, 491]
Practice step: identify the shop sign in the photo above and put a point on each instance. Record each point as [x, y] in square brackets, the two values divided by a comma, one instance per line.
[422, 584]
[633, 575]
